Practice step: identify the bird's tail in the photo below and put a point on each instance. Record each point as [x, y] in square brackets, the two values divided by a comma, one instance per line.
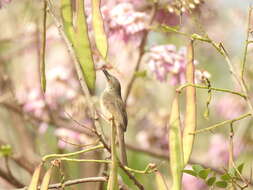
[122, 145]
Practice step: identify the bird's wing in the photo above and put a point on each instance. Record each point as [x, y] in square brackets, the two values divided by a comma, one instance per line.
[117, 108]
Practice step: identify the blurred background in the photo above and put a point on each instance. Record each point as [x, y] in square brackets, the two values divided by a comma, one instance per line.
[34, 124]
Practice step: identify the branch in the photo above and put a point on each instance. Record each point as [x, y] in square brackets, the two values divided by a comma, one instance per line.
[53, 156]
[222, 123]
[43, 48]
[210, 88]
[75, 182]
[141, 53]
[246, 44]
[10, 179]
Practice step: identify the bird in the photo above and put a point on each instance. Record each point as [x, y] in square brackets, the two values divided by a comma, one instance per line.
[112, 106]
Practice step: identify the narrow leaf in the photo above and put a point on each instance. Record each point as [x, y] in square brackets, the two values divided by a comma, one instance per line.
[175, 145]
[83, 49]
[98, 27]
[211, 181]
[197, 168]
[35, 178]
[160, 181]
[190, 117]
[240, 167]
[190, 172]
[225, 177]
[221, 184]
[46, 179]
[204, 173]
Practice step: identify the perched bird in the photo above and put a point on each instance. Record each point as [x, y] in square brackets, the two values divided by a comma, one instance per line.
[113, 106]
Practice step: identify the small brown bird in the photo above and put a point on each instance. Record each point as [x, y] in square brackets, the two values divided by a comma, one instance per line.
[113, 107]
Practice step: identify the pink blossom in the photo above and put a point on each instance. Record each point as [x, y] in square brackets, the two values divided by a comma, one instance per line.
[218, 153]
[61, 87]
[190, 182]
[43, 128]
[235, 105]
[164, 60]
[124, 22]
[34, 103]
[166, 17]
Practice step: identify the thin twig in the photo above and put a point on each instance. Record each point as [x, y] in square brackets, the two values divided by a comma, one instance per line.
[43, 48]
[13, 181]
[210, 88]
[222, 123]
[74, 182]
[141, 53]
[246, 45]
[54, 156]
[85, 160]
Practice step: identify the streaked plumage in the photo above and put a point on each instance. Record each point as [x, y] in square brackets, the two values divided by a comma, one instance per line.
[112, 105]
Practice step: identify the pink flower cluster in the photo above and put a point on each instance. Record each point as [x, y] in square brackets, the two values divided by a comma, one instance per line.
[123, 22]
[61, 87]
[165, 60]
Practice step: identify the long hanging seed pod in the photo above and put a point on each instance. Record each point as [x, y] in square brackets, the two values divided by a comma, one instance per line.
[190, 117]
[175, 145]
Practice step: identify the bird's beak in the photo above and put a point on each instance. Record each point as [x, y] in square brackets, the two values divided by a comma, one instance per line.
[107, 75]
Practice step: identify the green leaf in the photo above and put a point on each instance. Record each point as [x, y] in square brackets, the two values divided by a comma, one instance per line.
[98, 27]
[233, 173]
[5, 150]
[226, 177]
[221, 184]
[197, 168]
[211, 181]
[191, 172]
[204, 173]
[240, 167]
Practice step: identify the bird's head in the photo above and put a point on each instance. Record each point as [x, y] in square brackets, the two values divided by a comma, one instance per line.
[112, 82]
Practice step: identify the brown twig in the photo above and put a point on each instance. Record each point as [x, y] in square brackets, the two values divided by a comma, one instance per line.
[10, 179]
[75, 182]
[141, 53]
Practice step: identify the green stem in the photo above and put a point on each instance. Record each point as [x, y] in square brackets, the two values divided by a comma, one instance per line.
[147, 170]
[211, 88]
[222, 123]
[113, 179]
[43, 49]
[246, 45]
[85, 160]
[53, 156]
